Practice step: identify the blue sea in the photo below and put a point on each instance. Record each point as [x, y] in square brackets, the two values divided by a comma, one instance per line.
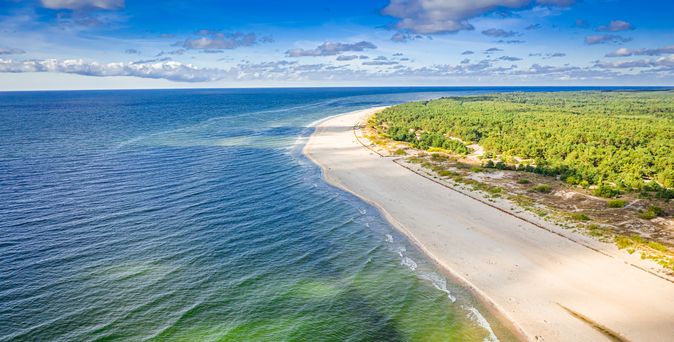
[193, 215]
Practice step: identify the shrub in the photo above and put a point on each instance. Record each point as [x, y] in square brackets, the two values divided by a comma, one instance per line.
[446, 173]
[657, 246]
[616, 203]
[580, 217]
[571, 180]
[523, 181]
[521, 200]
[596, 230]
[623, 242]
[606, 191]
[399, 152]
[439, 157]
[543, 188]
[651, 213]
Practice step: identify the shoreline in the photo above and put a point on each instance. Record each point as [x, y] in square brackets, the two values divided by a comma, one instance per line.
[540, 292]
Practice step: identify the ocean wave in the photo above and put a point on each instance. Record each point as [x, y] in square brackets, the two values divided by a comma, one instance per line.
[477, 317]
[439, 283]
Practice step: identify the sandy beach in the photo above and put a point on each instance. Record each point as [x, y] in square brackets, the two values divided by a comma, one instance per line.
[548, 286]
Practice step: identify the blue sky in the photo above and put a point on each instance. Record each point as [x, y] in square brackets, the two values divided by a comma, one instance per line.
[99, 44]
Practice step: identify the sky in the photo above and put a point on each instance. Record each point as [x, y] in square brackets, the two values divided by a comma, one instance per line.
[120, 44]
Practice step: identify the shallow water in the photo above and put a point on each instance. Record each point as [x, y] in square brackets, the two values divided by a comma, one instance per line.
[192, 215]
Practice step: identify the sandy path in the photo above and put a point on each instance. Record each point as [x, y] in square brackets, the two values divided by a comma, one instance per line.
[529, 274]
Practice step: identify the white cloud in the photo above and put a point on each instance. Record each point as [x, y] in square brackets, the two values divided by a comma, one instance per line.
[446, 16]
[83, 4]
[331, 49]
[667, 61]
[220, 41]
[170, 70]
[605, 39]
[377, 70]
[624, 52]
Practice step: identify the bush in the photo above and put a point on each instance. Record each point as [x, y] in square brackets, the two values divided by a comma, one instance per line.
[571, 180]
[617, 203]
[623, 242]
[439, 157]
[647, 215]
[580, 217]
[651, 213]
[596, 230]
[446, 173]
[523, 181]
[657, 246]
[606, 191]
[399, 152]
[543, 188]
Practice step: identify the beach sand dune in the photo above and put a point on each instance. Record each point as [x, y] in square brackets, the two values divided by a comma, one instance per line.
[549, 287]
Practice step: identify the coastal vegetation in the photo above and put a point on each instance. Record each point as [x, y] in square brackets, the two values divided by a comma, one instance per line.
[619, 141]
[595, 162]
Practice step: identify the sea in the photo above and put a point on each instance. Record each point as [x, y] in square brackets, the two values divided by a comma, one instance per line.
[192, 215]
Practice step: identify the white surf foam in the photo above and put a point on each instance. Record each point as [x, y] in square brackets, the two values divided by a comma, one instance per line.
[477, 317]
[409, 263]
[439, 283]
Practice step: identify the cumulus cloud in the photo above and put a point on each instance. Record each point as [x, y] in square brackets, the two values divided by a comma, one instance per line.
[447, 16]
[467, 52]
[82, 4]
[667, 61]
[132, 51]
[284, 70]
[161, 69]
[615, 26]
[11, 51]
[606, 39]
[492, 50]
[499, 33]
[533, 27]
[210, 40]
[331, 49]
[624, 52]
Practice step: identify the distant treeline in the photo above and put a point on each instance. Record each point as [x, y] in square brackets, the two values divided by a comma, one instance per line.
[620, 138]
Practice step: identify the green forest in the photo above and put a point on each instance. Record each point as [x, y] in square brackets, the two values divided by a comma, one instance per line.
[622, 140]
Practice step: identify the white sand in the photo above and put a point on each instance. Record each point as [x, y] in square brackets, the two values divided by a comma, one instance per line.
[527, 273]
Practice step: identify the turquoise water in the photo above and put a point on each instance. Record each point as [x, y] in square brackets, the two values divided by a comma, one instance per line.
[192, 215]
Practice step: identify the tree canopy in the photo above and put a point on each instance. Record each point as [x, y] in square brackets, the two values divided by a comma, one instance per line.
[624, 138]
